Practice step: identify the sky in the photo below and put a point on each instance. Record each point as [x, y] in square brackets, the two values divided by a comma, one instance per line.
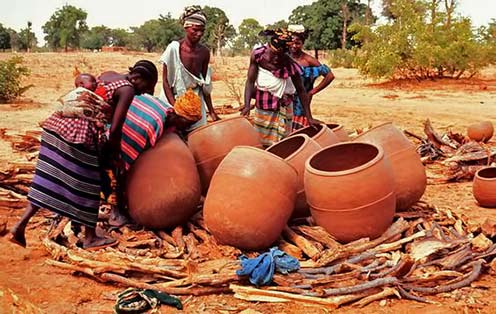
[126, 13]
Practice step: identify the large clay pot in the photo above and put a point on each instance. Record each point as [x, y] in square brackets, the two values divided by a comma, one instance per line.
[296, 150]
[321, 134]
[408, 170]
[163, 186]
[212, 142]
[484, 187]
[481, 131]
[350, 190]
[340, 132]
[250, 199]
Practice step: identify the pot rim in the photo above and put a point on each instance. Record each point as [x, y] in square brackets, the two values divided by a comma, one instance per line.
[372, 129]
[263, 151]
[338, 126]
[479, 177]
[195, 131]
[373, 161]
[323, 126]
[324, 210]
[306, 141]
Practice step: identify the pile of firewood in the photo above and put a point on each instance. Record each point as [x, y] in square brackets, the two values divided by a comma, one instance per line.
[29, 142]
[425, 251]
[452, 156]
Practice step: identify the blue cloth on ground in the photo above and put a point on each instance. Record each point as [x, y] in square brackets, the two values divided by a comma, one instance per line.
[261, 268]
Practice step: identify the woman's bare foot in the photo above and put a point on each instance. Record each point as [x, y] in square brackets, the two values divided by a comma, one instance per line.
[98, 243]
[18, 236]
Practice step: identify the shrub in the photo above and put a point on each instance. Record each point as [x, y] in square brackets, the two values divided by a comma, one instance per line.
[342, 58]
[11, 74]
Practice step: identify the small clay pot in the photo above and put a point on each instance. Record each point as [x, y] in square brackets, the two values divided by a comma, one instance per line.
[408, 170]
[340, 132]
[354, 178]
[211, 143]
[163, 186]
[484, 187]
[481, 132]
[320, 134]
[295, 150]
[250, 199]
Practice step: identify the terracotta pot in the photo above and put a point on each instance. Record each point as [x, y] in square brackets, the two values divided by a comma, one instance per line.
[408, 170]
[482, 131]
[370, 220]
[484, 187]
[295, 150]
[250, 199]
[340, 132]
[163, 186]
[354, 178]
[322, 135]
[212, 142]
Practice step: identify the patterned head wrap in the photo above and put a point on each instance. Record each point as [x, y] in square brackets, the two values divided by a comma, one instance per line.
[188, 106]
[299, 31]
[193, 15]
[280, 39]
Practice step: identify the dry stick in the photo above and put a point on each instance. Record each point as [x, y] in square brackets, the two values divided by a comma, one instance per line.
[319, 234]
[471, 277]
[170, 240]
[254, 294]
[210, 280]
[196, 291]
[306, 246]
[386, 292]
[290, 249]
[360, 287]
[331, 269]
[84, 270]
[177, 235]
[407, 295]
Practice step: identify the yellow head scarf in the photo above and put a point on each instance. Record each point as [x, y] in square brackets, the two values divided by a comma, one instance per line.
[188, 106]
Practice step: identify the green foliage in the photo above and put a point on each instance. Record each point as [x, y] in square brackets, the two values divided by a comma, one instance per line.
[278, 24]
[218, 30]
[11, 74]
[342, 58]
[248, 32]
[155, 35]
[422, 41]
[325, 20]
[4, 38]
[65, 27]
[27, 39]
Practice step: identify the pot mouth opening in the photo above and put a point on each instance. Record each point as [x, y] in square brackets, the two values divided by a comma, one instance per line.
[345, 157]
[333, 126]
[487, 173]
[288, 146]
[309, 130]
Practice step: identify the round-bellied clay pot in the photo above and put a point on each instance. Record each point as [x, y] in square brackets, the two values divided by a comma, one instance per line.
[250, 199]
[481, 131]
[321, 134]
[212, 142]
[408, 170]
[296, 150]
[163, 186]
[350, 184]
[340, 132]
[484, 187]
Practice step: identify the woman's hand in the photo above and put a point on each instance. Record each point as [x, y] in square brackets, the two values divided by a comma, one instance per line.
[245, 111]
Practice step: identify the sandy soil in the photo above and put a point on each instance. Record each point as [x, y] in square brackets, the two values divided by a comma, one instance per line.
[351, 100]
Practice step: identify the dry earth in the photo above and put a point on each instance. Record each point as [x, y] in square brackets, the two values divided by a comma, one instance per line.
[351, 101]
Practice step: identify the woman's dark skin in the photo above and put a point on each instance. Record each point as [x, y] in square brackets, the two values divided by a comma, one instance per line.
[273, 60]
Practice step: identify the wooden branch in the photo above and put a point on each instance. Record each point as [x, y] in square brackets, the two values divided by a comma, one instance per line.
[386, 292]
[362, 287]
[306, 246]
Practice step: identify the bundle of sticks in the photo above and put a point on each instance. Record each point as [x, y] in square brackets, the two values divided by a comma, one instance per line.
[425, 251]
[452, 156]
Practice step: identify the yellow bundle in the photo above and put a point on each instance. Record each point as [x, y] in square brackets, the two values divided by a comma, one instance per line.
[189, 105]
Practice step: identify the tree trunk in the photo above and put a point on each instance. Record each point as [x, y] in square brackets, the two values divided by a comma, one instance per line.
[219, 47]
[346, 17]
[316, 53]
[368, 14]
[450, 7]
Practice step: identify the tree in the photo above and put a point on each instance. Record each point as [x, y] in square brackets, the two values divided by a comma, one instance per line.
[155, 35]
[65, 27]
[248, 32]
[14, 39]
[4, 38]
[218, 30]
[119, 37]
[27, 39]
[278, 24]
[97, 37]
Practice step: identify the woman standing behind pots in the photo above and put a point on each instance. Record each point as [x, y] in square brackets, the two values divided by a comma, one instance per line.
[68, 177]
[312, 69]
[273, 78]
